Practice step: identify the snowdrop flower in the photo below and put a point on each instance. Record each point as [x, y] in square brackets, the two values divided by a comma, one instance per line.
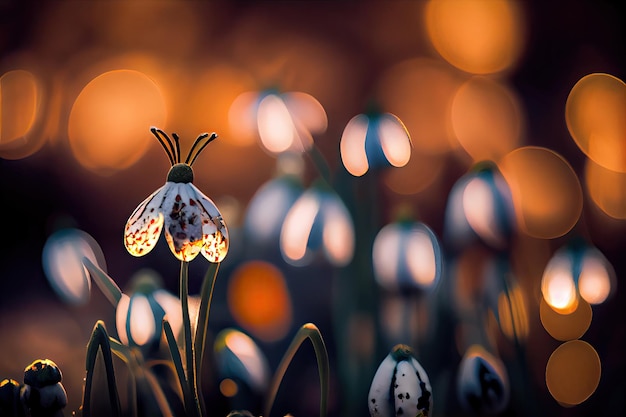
[193, 224]
[400, 386]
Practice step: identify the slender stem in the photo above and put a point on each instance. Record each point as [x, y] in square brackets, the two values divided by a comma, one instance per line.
[189, 351]
[320, 163]
[188, 397]
[206, 294]
[311, 332]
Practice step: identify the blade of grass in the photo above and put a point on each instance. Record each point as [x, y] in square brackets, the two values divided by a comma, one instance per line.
[100, 341]
[311, 332]
[188, 396]
[106, 284]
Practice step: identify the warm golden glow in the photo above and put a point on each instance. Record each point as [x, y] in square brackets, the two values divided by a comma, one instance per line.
[205, 102]
[228, 387]
[557, 284]
[296, 229]
[594, 282]
[288, 121]
[479, 209]
[352, 145]
[259, 300]
[420, 92]
[480, 37]
[242, 118]
[110, 120]
[20, 103]
[546, 193]
[607, 189]
[486, 119]
[573, 372]
[421, 258]
[394, 140]
[417, 175]
[594, 113]
[338, 235]
[513, 314]
[142, 324]
[566, 326]
[276, 128]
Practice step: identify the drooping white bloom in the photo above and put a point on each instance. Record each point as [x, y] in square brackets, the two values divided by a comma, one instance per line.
[192, 222]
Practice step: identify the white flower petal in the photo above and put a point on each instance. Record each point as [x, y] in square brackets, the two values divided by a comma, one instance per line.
[144, 225]
[183, 222]
[215, 234]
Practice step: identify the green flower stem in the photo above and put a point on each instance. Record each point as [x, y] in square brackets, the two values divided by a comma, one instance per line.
[104, 282]
[311, 332]
[99, 342]
[320, 163]
[189, 351]
[206, 297]
[188, 395]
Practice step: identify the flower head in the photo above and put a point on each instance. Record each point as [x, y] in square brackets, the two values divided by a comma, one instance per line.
[193, 224]
[400, 386]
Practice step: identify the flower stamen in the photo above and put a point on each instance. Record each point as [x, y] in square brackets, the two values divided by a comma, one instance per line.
[198, 146]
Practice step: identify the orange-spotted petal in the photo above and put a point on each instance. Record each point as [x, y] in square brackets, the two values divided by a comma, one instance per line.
[183, 222]
[214, 231]
[143, 227]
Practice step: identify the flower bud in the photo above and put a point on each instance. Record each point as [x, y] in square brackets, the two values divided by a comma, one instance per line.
[400, 386]
[43, 392]
[482, 383]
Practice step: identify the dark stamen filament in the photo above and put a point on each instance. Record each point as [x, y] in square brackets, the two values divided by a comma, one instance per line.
[169, 150]
[177, 147]
[198, 146]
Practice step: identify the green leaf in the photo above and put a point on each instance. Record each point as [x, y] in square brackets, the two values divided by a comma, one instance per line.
[307, 331]
[98, 361]
[104, 282]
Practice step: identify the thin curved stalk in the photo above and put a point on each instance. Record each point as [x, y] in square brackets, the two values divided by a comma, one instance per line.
[311, 332]
[106, 284]
[202, 325]
[184, 300]
[320, 163]
[100, 341]
[188, 395]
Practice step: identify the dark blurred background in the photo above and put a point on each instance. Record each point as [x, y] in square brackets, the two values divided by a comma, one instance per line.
[69, 163]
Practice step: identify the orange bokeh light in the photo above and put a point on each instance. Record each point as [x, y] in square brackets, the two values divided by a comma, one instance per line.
[109, 124]
[420, 92]
[564, 326]
[486, 119]
[259, 300]
[479, 37]
[20, 103]
[573, 372]
[607, 189]
[595, 114]
[204, 104]
[547, 195]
